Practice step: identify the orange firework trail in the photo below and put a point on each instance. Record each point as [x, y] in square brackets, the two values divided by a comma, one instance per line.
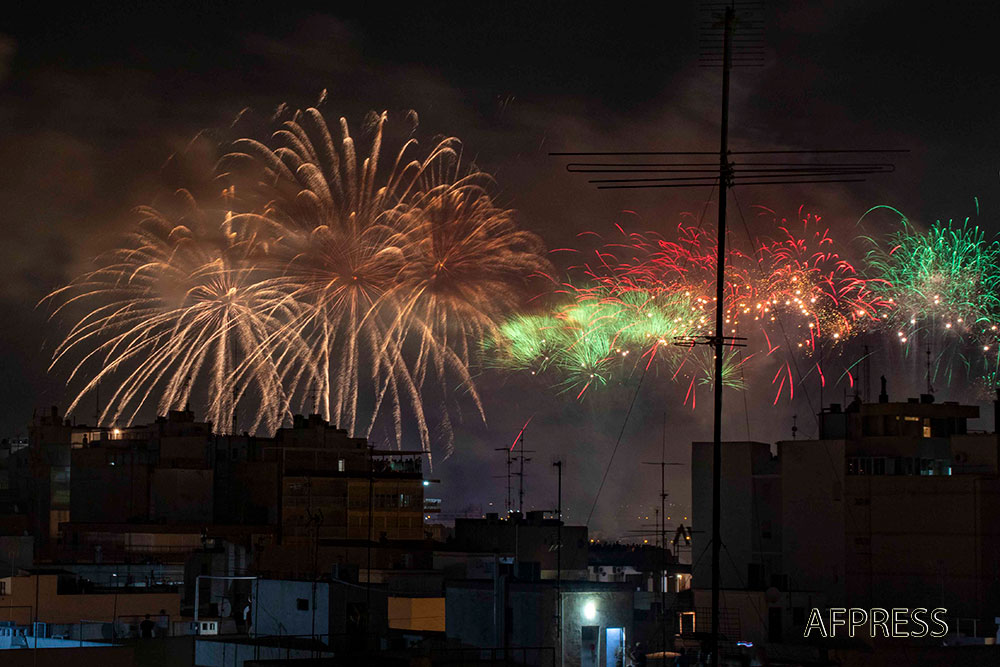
[345, 281]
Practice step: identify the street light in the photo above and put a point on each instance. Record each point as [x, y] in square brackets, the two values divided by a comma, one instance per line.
[590, 610]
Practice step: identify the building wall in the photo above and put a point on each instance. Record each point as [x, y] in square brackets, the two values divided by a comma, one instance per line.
[102, 492]
[118, 656]
[534, 540]
[531, 620]
[181, 495]
[812, 496]
[614, 610]
[424, 614]
[919, 541]
[211, 653]
[67, 609]
[469, 615]
[278, 609]
[740, 521]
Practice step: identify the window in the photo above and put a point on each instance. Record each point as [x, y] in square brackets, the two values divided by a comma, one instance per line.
[302, 604]
[340, 465]
[927, 428]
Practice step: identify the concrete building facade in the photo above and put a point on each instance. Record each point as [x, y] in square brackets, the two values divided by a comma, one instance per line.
[894, 505]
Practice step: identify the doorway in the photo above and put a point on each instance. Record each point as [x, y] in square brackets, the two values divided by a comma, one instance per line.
[589, 644]
[614, 641]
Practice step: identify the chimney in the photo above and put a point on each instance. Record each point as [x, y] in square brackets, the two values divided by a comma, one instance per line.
[883, 397]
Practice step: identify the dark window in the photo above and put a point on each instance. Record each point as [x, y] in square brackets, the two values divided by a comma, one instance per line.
[302, 604]
[774, 624]
[798, 616]
[852, 466]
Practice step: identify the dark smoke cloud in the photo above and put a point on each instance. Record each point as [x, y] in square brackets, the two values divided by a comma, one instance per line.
[92, 108]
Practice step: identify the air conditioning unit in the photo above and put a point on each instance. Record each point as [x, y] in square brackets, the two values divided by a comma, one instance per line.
[205, 627]
[961, 457]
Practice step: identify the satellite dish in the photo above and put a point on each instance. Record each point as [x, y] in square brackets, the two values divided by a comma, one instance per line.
[225, 608]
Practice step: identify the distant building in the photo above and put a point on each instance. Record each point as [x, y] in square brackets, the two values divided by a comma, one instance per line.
[894, 505]
[299, 502]
[532, 541]
[68, 607]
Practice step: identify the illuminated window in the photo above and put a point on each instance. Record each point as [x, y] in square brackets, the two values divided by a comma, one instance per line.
[687, 622]
[340, 465]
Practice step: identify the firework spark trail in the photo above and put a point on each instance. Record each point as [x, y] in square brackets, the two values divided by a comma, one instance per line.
[182, 303]
[404, 272]
[938, 288]
[945, 284]
[644, 291]
[350, 282]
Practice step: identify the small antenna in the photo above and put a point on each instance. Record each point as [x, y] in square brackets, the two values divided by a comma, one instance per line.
[795, 428]
[507, 506]
[930, 389]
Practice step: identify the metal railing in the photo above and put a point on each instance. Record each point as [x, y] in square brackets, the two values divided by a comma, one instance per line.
[509, 655]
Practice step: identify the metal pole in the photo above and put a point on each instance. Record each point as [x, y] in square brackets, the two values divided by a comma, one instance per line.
[510, 503]
[520, 491]
[368, 582]
[256, 620]
[720, 279]
[558, 465]
[663, 536]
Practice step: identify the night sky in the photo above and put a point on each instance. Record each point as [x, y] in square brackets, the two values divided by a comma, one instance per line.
[94, 102]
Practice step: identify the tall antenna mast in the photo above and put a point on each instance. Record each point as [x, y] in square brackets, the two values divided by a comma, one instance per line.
[511, 458]
[661, 527]
[508, 507]
[725, 182]
[686, 169]
[520, 482]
